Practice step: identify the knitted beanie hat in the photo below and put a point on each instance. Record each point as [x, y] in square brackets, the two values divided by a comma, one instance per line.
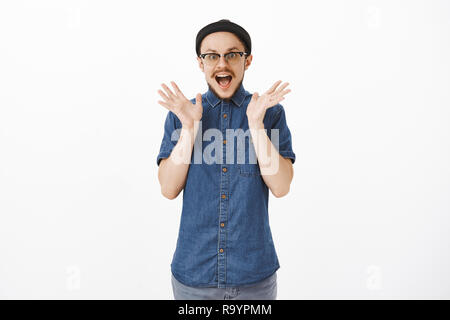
[224, 25]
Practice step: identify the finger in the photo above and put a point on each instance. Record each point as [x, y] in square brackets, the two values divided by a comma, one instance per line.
[177, 90]
[272, 89]
[198, 99]
[165, 105]
[168, 91]
[163, 95]
[284, 92]
[280, 99]
[282, 88]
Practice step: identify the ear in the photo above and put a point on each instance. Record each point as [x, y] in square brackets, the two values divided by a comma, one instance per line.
[200, 64]
[248, 61]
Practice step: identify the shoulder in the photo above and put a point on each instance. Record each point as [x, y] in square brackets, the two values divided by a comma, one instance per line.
[275, 112]
[172, 119]
[204, 100]
[277, 109]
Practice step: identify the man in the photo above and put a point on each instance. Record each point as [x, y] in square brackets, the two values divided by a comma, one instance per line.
[225, 248]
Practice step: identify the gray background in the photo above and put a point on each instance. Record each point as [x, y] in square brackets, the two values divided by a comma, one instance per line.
[81, 214]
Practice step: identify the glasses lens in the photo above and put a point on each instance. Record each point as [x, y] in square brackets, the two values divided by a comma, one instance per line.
[232, 57]
[211, 59]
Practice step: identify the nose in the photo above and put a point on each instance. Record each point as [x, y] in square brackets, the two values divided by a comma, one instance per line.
[222, 61]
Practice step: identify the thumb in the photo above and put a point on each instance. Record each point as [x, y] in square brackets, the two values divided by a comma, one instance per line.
[255, 96]
[198, 99]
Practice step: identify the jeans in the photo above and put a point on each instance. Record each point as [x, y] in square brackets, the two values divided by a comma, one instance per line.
[263, 290]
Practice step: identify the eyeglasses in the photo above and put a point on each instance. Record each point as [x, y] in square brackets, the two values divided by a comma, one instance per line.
[211, 59]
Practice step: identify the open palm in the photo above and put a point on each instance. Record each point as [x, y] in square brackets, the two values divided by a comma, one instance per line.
[258, 105]
[183, 108]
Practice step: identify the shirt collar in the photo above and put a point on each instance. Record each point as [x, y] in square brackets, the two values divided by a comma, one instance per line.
[237, 98]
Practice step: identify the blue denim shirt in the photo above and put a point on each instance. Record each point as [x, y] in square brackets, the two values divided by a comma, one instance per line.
[224, 238]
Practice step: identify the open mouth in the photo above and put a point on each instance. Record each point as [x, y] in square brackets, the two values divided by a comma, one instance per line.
[224, 81]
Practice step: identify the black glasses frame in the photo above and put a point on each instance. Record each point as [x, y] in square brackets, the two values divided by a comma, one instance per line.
[203, 55]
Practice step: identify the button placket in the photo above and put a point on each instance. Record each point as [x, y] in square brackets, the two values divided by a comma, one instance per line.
[223, 215]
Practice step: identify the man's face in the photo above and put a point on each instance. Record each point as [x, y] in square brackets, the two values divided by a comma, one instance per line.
[223, 42]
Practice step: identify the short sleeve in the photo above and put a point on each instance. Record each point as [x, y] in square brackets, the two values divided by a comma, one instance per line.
[170, 137]
[284, 143]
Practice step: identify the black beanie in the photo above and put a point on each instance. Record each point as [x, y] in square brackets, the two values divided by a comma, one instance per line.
[224, 25]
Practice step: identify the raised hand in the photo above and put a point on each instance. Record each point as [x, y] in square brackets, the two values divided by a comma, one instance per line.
[258, 105]
[187, 112]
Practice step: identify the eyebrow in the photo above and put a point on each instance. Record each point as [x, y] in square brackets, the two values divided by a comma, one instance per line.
[233, 48]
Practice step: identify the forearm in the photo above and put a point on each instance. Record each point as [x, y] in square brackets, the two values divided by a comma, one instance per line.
[276, 171]
[172, 172]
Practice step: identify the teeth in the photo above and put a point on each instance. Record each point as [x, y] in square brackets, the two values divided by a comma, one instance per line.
[223, 75]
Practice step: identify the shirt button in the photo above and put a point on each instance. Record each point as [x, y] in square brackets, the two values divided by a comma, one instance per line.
[222, 224]
[221, 250]
[224, 141]
[224, 196]
[224, 169]
[224, 115]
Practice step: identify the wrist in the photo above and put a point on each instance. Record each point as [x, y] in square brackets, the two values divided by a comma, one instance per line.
[190, 130]
[191, 124]
[187, 126]
[256, 125]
